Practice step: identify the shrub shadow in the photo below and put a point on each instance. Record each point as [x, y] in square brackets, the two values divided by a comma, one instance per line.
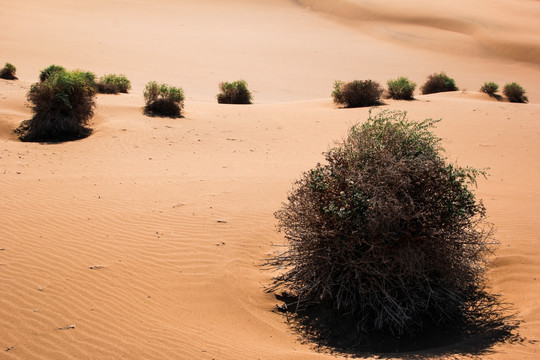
[490, 323]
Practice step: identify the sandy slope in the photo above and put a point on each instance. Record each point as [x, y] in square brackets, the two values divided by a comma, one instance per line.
[147, 235]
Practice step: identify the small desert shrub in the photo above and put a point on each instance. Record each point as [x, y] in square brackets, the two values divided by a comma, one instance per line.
[113, 84]
[163, 100]
[386, 232]
[235, 92]
[438, 83]
[61, 105]
[8, 72]
[401, 88]
[490, 88]
[357, 93]
[50, 70]
[515, 93]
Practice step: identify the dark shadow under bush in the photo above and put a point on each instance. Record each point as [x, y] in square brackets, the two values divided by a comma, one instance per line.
[8, 72]
[357, 93]
[235, 92]
[436, 83]
[61, 105]
[388, 240]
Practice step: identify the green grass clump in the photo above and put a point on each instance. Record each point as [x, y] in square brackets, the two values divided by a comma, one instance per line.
[50, 70]
[163, 100]
[61, 105]
[490, 88]
[8, 72]
[386, 235]
[113, 84]
[401, 88]
[357, 93]
[515, 93]
[438, 83]
[235, 92]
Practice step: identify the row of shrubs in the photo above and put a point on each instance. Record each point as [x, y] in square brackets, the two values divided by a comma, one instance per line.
[360, 93]
[63, 101]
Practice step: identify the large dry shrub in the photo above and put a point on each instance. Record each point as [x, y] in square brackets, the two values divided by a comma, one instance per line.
[386, 232]
[357, 93]
[62, 104]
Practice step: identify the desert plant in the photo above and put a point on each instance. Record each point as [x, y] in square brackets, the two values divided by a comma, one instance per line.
[8, 72]
[490, 88]
[235, 92]
[48, 71]
[401, 88]
[163, 100]
[438, 83]
[387, 232]
[515, 93]
[113, 84]
[61, 105]
[357, 93]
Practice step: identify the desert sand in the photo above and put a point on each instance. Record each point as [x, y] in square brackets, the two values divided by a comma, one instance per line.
[145, 240]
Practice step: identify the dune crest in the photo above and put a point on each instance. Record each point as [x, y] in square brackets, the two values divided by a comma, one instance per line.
[421, 17]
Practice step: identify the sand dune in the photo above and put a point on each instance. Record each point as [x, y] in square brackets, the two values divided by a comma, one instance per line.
[148, 235]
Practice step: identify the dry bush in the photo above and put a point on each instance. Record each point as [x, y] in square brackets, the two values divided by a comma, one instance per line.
[113, 84]
[357, 93]
[401, 88]
[163, 100]
[8, 72]
[490, 88]
[438, 83]
[515, 93]
[387, 233]
[50, 70]
[235, 92]
[61, 105]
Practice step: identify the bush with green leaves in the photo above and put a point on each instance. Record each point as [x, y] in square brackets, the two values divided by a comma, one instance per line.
[61, 105]
[113, 84]
[401, 88]
[490, 88]
[357, 93]
[438, 83]
[235, 92]
[386, 232]
[163, 100]
[8, 72]
[515, 93]
[50, 70]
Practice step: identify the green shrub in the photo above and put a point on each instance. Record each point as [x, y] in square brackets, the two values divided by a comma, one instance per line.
[48, 71]
[401, 88]
[8, 72]
[61, 105]
[235, 92]
[357, 93]
[163, 100]
[490, 88]
[438, 83]
[113, 84]
[386, 233]
[515, 93]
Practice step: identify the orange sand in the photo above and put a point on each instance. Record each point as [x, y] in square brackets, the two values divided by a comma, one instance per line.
[178, 212]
